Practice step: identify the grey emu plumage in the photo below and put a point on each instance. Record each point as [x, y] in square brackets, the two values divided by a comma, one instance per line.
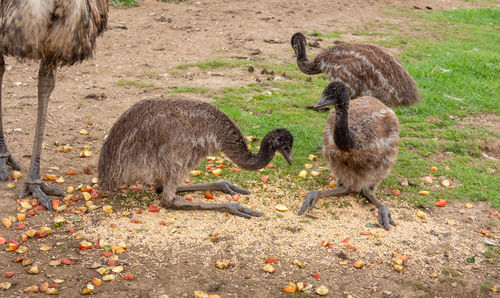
[360, 144]
[158, 141]
[366, 70]
[58, 33]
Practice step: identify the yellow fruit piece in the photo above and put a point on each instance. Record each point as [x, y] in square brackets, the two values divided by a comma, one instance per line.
[359, 264]
[291, 288]
[321, 290]
[86, 196]
[85, 153]
[117, 249]
[109, 277]
[25, 204]
[249, 147]
[51, 177]
[45, 247]
[59, 219]
[222, 264]
[303, 174]
[421, 214]
[424, 192]
[60, 180]
[200, 294]
[195, 173]
[117, 269]
[332, 184]
[96, 281]
[107, 209]
[16, 175]
[451, 222]
[281, 207]
[102, 271]
[58, 281]
[312, 157]
[216, 172]
[94, 180]
[22, 249]
[315, 173]
[87, 290]
[70, 190]
[31, 289]
[84, 132]
[30, 233]
[268, 268]
[5, 285]
[21, 216]
[446, 182]
[6, 222]
[298, 263]
[33, 269]
[469, 205]
[308, 166]
[11, 185]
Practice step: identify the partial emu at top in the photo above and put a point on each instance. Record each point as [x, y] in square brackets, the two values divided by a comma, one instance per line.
[58, 33]
[158, 141]
[366, 70]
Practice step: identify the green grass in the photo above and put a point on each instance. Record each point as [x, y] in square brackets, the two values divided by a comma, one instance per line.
[457, 56]
[124, 3]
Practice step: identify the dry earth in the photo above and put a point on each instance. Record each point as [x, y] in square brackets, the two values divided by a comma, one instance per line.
[177, 257]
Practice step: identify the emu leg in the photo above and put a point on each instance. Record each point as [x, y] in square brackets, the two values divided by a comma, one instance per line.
[384, 216]
[234, 208]
[222, 186]
[33, 184]
[313, 196]
[5, 156]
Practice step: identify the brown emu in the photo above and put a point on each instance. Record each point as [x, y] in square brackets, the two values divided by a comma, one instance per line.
[58, 33]
[366, 70]
[360, 144]
[158, 141]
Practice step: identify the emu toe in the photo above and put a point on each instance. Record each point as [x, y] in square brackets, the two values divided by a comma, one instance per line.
[384, 218]
[309, 202]
[6, 159]
[231, 189]
[237, 209]
[40, 191]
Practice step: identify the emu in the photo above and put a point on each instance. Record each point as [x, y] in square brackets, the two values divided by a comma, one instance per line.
[158, 141]
[360, 144]
[366, 70]
[58, 33]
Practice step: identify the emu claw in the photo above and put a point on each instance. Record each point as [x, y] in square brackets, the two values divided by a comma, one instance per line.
[237, 209]
[40, 191]
[309, 202]
[232, 189]
[7, 160]
[384, 218]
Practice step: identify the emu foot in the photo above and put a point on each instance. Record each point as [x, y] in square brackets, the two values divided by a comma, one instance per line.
[39, 191]
[309, 202]
[230, 188]
[384, 218]
[237, 209]
[6, 159]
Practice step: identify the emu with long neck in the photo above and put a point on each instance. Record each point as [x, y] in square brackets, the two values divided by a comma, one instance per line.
[159, 141]
[360, 144]
[365, 69]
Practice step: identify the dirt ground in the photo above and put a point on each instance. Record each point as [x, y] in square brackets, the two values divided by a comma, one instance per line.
[172, 253]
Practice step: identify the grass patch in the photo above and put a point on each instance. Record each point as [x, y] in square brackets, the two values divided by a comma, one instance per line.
[460, 61]
[124, 3]
[492, 253]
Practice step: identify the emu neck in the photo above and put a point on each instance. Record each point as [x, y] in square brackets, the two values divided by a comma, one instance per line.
[342, 136]
[306, 66]
[238, 152]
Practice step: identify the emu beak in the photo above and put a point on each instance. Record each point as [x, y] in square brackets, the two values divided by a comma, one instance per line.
[288, 158]
[323, 102]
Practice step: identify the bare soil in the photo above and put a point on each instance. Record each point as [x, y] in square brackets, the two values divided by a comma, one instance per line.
[172, 253]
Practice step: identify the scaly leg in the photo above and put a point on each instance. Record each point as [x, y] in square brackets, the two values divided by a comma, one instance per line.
[222, 186]
[313, 196]
[175, 202]
[384, 216]
[33, 184]
[5, 156]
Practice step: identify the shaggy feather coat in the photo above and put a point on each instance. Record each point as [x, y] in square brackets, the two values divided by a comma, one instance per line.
[374, 128]
[58, 30]
[366, 70]
[159, 141]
